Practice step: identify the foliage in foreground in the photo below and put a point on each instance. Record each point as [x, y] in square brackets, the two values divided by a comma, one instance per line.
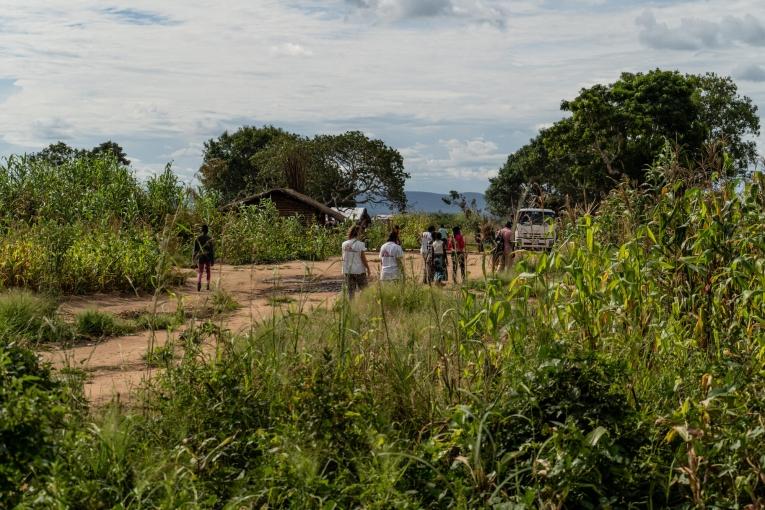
[622, 370]
[34, 410]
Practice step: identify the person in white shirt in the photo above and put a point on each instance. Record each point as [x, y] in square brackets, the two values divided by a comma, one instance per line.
[438, 259]
[355, 265]
[426, 239]
[391, 259]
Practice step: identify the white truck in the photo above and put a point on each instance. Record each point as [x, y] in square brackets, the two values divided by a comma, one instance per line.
[535, 229]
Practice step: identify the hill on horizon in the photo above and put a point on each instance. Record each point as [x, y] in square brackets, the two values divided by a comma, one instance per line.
[426, 201]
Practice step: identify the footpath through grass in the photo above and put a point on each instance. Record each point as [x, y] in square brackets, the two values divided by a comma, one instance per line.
[623, 370]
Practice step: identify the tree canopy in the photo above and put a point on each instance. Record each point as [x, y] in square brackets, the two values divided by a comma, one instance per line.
[59, 153]
[615, 132]
[228, 163]
[339, 170]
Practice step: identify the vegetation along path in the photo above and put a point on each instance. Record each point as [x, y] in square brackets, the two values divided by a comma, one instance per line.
[244, 296]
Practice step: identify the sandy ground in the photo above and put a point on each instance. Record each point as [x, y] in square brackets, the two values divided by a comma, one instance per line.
[116, 366]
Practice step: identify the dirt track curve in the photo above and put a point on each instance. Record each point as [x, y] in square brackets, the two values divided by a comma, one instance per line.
[117, 365]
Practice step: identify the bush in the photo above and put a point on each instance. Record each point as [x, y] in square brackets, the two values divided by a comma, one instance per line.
[160, 356]
[620, 370]
[109, 260]
[32, 412]
[258, 234]
[158, 321]
[98, 325]
[84, 225]
[30, 317]
[223, 302]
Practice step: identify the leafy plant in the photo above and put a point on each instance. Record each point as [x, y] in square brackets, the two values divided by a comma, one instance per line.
[98, 325]
[30, 317]
[160, 356]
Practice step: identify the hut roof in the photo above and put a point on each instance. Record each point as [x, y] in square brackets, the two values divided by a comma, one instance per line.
[315, 204]
[353, 213]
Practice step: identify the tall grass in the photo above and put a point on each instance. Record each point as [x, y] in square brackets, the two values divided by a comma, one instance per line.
[258, 234]
[29, 318]
[622, 370]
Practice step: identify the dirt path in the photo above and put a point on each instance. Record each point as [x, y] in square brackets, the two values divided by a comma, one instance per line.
[116, 366]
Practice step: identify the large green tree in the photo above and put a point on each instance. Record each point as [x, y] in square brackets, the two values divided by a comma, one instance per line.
[113, 148]
[614, 132]
[352, 167]
[229, 165]
[59, 153]
[339, 170]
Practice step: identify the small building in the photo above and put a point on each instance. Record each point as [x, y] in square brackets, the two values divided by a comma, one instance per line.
[359, 215]
[292, 203]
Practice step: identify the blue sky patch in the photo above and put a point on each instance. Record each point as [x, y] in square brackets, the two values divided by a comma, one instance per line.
[8, 87]
[138, 17]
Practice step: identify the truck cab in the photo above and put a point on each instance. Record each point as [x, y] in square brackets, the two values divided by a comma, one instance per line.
[535, 229]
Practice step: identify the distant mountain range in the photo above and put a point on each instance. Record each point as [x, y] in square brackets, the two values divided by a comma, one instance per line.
[424, 201]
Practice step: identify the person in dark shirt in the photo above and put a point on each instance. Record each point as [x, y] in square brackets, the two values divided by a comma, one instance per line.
[204, 256]
[397, 231]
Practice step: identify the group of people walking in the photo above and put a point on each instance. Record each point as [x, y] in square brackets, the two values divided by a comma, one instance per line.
[356, 266]
[443, 251]
[437, 246]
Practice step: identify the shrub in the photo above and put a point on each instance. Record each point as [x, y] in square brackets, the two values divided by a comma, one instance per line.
[160, 356]
[30, 317]
[101, 260]
[258, 234]
[83, 225]
[80, 258]
[158, 321]
[23, 261]
[96, 324]
[32, 412]
[223, 302]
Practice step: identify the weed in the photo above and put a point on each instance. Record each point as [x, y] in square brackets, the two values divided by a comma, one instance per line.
[31, 317]
[280, 300]
[95, 324]
[158, 321]
[624, 369]
[223, 302]
[160, 356]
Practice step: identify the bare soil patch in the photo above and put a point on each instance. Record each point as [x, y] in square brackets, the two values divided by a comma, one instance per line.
[117, 365]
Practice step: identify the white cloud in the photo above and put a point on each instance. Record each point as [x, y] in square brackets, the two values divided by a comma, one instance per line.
[475, 159]
[192, 150]
[696, 33]
[291, 50]
[454, 93]
[751, 72]
[492, 12]
[471, 151]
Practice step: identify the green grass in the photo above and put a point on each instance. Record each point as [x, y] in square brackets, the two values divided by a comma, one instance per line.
[160, 356]
[158, 321]
[223, 302]
[30, 317]
[620, 371]
[280, 300]
[94, 324]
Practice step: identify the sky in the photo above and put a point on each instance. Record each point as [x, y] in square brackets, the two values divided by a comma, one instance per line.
[454, 85]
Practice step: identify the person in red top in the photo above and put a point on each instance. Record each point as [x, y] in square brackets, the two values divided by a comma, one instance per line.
[458, 254]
